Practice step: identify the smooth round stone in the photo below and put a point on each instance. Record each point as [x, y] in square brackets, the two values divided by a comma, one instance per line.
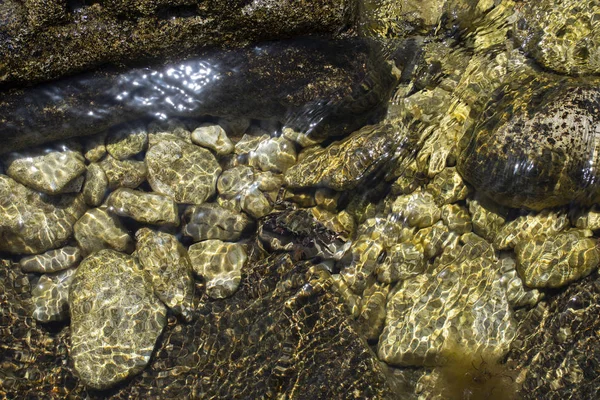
[555, 261]
[52, 260]
[126, 142]
[147, 208]
[255, 203]
[169, 267]
[235, 180]
[185, 172]
[212, 136]
[115, 319]
[49, 219]
[220, 264]
[51, 171]
[123, 173]
[98, 229]
[419, 209]
[95, 186]
[50, 296]
[274, 154]
[210, 221]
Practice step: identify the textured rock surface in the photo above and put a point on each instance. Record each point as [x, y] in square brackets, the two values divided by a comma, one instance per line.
[147, 208]
[537, 153]
[52, 172]
[186, 172]
[344, 165]
[129, 33]
[557, 346]
[554, 261]
[168, 265]
[220, 264]
[212, 136]
[49, 222]
[52, 260]
[210, 221]
[98, 229]
[123, 173]
[50, 296]
[126, 142]
[526, 227]
[460, 301]
[418, 209]
[112, 301]
[95, 186]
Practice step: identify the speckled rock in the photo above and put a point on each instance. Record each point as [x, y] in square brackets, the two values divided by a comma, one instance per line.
[220, 264]
[49, 222]
[255, 203]
[457, 218]
[210, 221]
[235, 180]
[126, 142]
[147, 208]
[123, 173]
[51, 296]
[448, 187]
[460, 301]
[418, 209]
[98, 229]
[112, 301]
[167, 263]
[536, 154]
[555, 261]
[345, 164]
[525, 227]
[185, 172]
[56, 171]
[212, 136]
[95, 186]
[52, 260]
[274, 154]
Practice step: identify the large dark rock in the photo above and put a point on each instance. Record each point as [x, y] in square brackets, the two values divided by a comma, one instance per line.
[46, 39]
[323, 87]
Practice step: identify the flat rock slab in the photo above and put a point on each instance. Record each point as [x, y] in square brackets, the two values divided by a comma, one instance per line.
[115, 318]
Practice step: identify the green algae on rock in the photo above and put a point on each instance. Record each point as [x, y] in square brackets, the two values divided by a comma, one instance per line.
[112, 301]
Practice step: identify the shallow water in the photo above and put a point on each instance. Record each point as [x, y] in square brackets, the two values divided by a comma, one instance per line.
[409, 214]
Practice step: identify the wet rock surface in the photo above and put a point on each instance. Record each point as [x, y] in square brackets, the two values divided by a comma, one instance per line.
[52, 260]
[51, 296]
[210, 221]
[148, 208]
[112, 301]
[98, 229]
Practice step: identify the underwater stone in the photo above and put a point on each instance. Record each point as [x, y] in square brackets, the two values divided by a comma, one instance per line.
[167, 263]
[98, 229]
[186, 172]
[51, 296]
[220, 264]
[526, 227]
[95, 186]
[52, 260]
[555, 261]
[210, 221]
[274, 154]
[147, 208]
[126, 142]
[235, 180]
[53, 172]
[403, 260]
[49, 222]
[457, 218]
[115, 319]
[255, 203]
[212, 136]
[94, 147]
[418, 209]
[123, 173]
